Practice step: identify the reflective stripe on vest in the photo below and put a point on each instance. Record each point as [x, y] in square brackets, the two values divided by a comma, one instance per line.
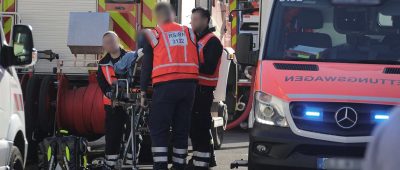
[109, 74]
[174, 54]
[192, 35]
[205, 79]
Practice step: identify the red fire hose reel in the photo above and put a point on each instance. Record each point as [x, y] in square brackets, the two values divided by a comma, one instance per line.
[80, 110]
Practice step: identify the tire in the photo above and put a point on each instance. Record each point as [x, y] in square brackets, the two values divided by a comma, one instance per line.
[218, 136]
[16, 161]
[218, 132]
[46, 112]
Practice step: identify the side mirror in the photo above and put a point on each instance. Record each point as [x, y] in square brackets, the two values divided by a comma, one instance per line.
[22, 52]
[244, 50]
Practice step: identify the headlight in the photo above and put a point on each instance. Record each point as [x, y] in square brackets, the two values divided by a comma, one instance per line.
[268, 110]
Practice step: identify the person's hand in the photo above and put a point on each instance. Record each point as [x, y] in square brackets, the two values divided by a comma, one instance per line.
[143, 100]
[140, 52]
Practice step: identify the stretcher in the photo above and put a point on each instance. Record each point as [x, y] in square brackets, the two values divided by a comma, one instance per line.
[135, 146]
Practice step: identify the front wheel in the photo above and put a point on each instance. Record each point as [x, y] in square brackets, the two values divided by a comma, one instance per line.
[16, 162]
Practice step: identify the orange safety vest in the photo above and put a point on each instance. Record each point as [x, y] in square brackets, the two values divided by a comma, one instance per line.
[109, 74]
[174, 53]
[206, 79]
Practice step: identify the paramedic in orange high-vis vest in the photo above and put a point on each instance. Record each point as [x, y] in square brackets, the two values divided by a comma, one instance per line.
[170, 62]
[115, 117]
[210, 51]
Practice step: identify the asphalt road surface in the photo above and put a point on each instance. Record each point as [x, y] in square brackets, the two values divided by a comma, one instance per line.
[234, 147]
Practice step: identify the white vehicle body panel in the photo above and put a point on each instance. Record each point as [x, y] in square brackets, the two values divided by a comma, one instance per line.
[12, 116]
[5, 104]
[264, 23]
[220, 90]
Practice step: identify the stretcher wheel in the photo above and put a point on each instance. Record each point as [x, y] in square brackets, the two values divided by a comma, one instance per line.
[31, 112]
[46, 114]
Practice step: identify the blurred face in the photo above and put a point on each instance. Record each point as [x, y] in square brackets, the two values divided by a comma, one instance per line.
[198, 23]
[110, 43]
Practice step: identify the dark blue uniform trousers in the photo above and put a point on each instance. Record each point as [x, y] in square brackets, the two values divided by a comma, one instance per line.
[171, 108]
[201, 126]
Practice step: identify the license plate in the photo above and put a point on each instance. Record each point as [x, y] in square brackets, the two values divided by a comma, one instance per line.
[339, 163]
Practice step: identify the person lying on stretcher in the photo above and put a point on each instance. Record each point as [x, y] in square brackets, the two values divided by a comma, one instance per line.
[127, 62]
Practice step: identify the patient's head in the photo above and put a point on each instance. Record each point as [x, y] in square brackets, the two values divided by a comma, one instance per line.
[111, 42]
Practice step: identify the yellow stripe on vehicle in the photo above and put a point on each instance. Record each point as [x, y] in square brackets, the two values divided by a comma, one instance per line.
[146, 22]
[150, 3]
[233, 5]
[149, 22]
[234, 40]
[102, 4]
[234, 22]
[124, 46]
[124, 24]
[7, 4]
[7, 25]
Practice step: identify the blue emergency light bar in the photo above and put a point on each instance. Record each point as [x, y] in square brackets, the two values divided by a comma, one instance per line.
[313, 114]
[380, 116]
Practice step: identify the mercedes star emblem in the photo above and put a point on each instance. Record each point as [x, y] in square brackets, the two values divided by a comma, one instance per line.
[346, 117]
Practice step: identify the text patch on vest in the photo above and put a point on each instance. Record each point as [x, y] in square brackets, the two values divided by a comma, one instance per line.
[177, 38]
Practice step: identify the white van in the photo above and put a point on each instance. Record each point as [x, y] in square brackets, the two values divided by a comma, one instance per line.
[13, 143]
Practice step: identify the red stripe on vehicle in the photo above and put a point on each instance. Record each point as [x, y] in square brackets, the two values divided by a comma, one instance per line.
[21, 100]
[16, 103]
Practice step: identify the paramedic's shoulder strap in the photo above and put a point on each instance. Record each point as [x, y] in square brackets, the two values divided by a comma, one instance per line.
[152, 36]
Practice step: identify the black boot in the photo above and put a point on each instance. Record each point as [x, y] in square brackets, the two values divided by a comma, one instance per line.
[213, 161]
[190, 165]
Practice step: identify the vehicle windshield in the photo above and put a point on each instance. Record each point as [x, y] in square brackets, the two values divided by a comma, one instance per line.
[317, 30]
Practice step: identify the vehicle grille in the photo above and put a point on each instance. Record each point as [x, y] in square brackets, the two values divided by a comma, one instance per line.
[328, 125]
[302, 67]
[391, 70]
